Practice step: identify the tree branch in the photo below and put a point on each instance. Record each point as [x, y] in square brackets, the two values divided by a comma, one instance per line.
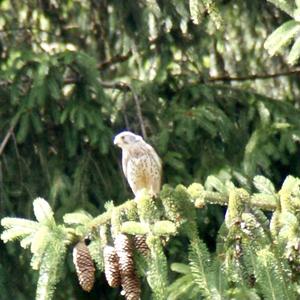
[124, 87]
[254, 76]
[201, 198]
[7, 137]
[139, 113]
[114, 60]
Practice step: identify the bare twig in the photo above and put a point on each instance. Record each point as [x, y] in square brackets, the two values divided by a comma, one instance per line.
[114, 60]
[122, 86]
[254, 76]
[19, 158]
[125, 88]
[7, 137]
[139, 113]
[126, 120]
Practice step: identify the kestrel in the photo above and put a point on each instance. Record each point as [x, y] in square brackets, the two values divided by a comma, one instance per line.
[141, 164]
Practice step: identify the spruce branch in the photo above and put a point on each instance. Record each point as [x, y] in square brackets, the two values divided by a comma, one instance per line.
[176, 209]
[182, 286]
[270, 277]
[51, 267]
[197, 195]
[259, 76]
[122, 86]
[157, 265]
[236, 205]
[157, 273]
[202, 271]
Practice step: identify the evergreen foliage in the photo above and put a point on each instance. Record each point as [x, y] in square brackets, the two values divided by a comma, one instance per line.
[250, 260]
[210, 84]
[286, 32]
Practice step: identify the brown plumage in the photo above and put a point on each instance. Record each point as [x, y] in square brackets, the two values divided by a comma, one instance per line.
[141, 164]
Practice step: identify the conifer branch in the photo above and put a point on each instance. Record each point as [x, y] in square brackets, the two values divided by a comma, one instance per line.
[126, 88]
[49, 241]
[122, 86]
[114, 60]
[157, 265]
[200, 198]
[262, 76]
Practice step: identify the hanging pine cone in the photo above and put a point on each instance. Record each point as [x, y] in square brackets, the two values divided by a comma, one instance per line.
[111, 266]
[131, 287]
[129, 280]
[141, 245]
[124, 251]
[84, 266]
[123, 243]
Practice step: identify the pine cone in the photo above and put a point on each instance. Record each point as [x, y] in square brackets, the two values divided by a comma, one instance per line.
[84, 266]
[123, 243]
[124, 251]
[111, 266]
[129, 280]
[131, 287]
[140, 244]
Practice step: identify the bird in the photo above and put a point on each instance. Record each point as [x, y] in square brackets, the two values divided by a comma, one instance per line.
[141, 165]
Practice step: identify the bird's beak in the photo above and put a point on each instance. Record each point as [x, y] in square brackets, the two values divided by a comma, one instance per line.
[116, 141]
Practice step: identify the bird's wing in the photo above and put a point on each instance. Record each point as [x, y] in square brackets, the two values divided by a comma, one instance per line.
[154, 155]
[155, 169]
[142, 167]
[125, 158]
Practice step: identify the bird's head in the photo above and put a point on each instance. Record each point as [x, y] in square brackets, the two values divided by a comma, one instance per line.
[126, 138]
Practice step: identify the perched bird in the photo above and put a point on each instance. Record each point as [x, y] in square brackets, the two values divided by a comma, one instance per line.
[141, 164]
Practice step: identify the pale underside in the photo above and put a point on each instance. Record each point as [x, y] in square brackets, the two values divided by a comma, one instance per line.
[142, 168]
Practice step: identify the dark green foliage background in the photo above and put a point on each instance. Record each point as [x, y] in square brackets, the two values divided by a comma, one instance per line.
[74, 73]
